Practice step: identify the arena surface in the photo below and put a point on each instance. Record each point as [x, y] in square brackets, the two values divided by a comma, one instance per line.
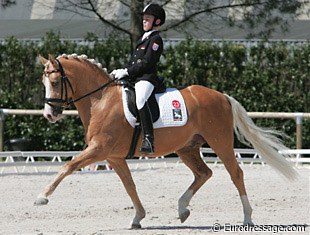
[96, 203]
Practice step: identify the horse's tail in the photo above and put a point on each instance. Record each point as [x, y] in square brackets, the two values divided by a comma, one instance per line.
[264, 141]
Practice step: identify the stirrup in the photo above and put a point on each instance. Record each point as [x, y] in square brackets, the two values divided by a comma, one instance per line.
[147, 146]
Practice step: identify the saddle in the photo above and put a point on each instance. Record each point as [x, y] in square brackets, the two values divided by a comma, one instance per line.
[152, 103]
[167, 107]
[131, 102]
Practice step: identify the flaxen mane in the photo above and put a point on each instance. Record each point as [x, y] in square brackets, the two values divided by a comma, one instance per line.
[83, 58]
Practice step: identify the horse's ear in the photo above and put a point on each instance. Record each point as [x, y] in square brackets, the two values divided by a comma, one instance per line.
[43, 60]
[52, 59]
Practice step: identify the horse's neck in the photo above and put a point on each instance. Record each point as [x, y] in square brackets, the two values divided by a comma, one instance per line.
[92, 107]
[84, 85]
[83, 109]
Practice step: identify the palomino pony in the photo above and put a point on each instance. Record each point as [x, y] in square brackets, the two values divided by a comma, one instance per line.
[212, 117]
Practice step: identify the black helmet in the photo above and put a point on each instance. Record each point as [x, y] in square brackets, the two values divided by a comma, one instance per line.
[157, 11]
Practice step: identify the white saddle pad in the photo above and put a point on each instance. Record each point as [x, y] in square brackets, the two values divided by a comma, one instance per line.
[172, 109]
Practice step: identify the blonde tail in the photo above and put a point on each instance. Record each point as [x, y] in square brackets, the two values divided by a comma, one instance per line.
[264, 141]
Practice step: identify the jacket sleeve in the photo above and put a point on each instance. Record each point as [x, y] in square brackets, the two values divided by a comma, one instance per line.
[148, 64]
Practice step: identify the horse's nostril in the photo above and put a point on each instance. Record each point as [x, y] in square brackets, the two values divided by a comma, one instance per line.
[49, 116]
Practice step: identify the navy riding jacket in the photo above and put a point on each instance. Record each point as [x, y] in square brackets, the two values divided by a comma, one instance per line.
[144, 59]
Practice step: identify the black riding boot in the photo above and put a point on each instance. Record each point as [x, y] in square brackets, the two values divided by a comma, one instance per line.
[147, 129]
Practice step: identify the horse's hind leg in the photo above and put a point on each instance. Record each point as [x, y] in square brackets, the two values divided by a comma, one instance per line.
[227, 155]
[191, 157]
[236, 175]
[85, 158]
[219, 134]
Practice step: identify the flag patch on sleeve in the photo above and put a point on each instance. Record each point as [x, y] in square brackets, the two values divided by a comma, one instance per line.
[155, 46]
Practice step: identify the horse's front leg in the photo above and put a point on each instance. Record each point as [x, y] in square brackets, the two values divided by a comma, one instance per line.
[86, 157]
[121, 168]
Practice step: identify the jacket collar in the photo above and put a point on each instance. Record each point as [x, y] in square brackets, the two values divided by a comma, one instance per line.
[147, 34]
[140, 41]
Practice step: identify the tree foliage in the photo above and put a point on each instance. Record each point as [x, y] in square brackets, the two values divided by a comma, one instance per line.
[7, 3]
[270, 77]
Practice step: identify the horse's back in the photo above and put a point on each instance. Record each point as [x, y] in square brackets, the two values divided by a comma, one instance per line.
[204, 97]
[208, 110]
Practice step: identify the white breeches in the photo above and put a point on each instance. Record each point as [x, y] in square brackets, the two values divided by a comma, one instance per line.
[144, 90]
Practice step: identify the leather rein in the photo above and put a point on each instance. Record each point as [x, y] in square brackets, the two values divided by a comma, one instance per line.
[64, 99]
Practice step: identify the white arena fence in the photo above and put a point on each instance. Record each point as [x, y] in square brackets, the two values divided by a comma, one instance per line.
[17, 162]
[298, 117]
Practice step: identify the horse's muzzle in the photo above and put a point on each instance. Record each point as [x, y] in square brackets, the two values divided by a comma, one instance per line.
[53, 112]
[57, 110]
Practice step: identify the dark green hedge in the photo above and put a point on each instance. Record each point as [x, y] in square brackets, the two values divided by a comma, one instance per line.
[264, 78]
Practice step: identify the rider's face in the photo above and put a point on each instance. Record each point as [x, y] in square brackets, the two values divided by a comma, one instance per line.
[148, 22]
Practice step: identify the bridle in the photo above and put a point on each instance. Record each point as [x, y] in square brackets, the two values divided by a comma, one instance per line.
[64, 100]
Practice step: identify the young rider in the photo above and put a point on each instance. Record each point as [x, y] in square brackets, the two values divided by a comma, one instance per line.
[142, 69]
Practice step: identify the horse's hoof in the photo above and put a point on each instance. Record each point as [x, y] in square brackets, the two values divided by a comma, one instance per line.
[184, 215]
[136, 226]
[249, 223]
[41, 201]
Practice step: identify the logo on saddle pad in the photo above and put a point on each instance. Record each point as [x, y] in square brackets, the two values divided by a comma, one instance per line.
[172, 109]
[176, 112]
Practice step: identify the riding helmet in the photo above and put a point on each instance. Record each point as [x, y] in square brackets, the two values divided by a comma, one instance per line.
[157, 11]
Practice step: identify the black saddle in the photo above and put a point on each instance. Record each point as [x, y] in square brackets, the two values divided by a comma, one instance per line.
[152, 103]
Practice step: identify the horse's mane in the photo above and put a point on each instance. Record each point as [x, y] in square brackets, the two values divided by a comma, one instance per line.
[85, 59]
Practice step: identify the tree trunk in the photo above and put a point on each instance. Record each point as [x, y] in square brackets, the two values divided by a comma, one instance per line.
[136, 28]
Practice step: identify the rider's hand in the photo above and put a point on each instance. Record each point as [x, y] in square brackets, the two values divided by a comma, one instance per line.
[119, 73]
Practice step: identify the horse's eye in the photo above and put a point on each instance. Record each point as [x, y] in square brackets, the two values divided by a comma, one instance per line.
[54, 83]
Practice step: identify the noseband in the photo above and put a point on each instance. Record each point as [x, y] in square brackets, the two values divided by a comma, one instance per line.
[64, 99]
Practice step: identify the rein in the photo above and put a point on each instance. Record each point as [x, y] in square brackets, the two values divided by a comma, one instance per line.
[92, 92]
[64, 89]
